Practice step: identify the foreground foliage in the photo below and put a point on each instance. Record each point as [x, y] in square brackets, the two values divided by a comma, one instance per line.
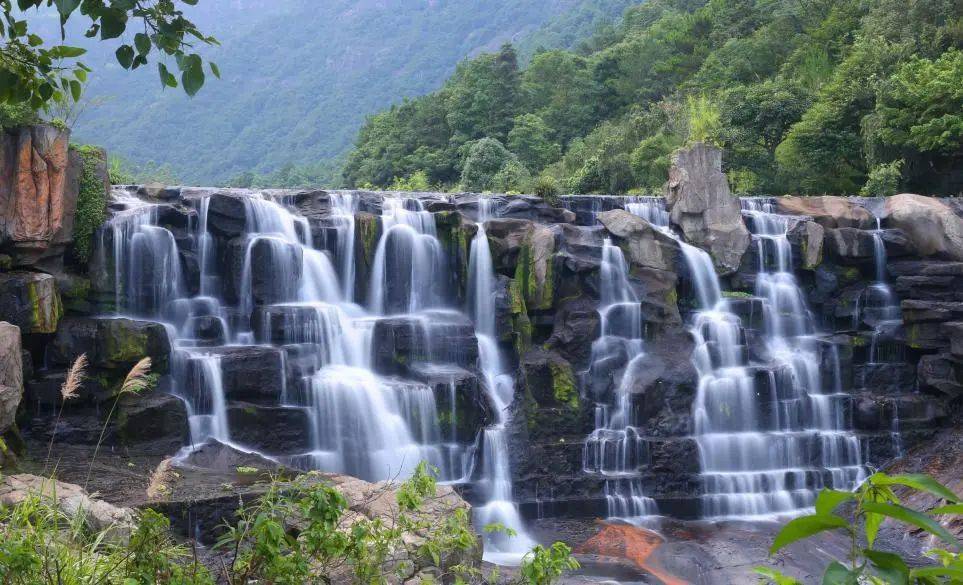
[298, 532]
[812, 96]
[859, 515]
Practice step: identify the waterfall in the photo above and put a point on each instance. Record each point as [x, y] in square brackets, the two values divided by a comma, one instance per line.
[295, 302]
[759, 422]
[769, 433]
[495, 482]
[408, 259]
[616, 448]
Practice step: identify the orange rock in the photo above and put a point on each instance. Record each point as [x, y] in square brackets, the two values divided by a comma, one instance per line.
[35, 210]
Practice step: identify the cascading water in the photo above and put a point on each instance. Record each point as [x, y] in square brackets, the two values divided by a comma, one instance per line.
[295, 298]
[768, 433]
[495, 483]
[616, 448]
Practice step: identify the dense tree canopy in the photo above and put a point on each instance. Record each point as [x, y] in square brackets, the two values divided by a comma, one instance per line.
[806, 96]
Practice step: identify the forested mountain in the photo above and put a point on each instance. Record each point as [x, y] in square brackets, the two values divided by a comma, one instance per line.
[299, 76]
[805, 95]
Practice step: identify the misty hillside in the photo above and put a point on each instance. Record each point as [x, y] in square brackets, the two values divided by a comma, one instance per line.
[300, 76]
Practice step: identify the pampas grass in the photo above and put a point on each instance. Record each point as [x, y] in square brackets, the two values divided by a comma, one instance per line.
[69, 389]
[136, 382]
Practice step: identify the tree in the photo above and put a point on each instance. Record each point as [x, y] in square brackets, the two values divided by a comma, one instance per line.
[485, 159]
[529, 140]
[483, 96]
[35, 73]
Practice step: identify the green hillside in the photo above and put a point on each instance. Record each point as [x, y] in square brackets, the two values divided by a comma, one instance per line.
[806, 96]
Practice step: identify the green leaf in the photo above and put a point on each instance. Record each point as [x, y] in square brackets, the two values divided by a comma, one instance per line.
[125, 56]
[66, 7]
[950, 509]
[112, 24]
[142, 42]
[215, 70]
[167, 78]
[871, 528]
[889, 565]
[954, 573]
[917, 481]
[81, 75]
[193, 79]
[912, 517]
[837, 574]
[66, 52]
[828, 500]
[804, 527]
[76, 90]
[776, 577]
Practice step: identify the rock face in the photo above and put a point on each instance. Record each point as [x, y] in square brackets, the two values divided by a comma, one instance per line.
[11, 375]
[33, 172]
[30, 301]
[931, 225]
[828, 211]
[71, 499]
[701, 205]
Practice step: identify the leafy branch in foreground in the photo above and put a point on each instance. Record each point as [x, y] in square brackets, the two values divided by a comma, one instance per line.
[33, 72]
[863, 512]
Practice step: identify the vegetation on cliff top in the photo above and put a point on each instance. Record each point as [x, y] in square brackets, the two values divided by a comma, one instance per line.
[806, 96]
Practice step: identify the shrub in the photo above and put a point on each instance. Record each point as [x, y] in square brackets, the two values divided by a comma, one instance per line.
[547, 188]
[417, 181]
[16, 114]
[42, 544]
[705, 120]
[513, 177]
[883, 180]
[863, 511]
[91, 202]
[484, 159]
[542, 566]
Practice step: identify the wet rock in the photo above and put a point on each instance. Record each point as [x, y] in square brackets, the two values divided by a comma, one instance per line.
[850, 244]
[215, 457]
[207, 330]
[11, 374]
[248, 373]
[930, 280]
[270, 429]
[930, 224]
[653, 257]
[367, 233]
[941, 372]
[227, 216]
[923, 321]
[434, 336]
[828, 211]
[117, 523]
[155, 421]
[699, 202]
[110, 343]
[954, 331]
[548, 394]
[271, 266]
[806, 238]
[576, 323]
[460, 400]
[30, 301]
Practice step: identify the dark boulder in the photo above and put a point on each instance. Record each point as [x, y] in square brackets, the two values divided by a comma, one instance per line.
[248, 373]
[110, 343]
[273, 430]
[155, 421]
[460, 400]
[226, 216]
[434, 336]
